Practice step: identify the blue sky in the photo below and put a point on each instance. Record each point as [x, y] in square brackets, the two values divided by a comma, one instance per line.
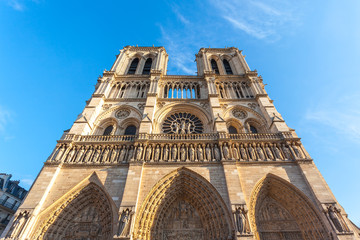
[308, 52]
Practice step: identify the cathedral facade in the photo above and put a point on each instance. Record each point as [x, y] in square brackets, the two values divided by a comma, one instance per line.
[169, 157]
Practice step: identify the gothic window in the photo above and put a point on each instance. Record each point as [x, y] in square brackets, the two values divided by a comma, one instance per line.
[187, 90]
[214, 66]
[147, 67]
[182, 123]
[227, 67]
[232, 130]
[108, 130]
[253, 129]
[133, 66]
[130, 130]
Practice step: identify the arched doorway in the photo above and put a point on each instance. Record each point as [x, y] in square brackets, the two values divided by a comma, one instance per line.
[83, 213]
[183, 205]
[278, 210]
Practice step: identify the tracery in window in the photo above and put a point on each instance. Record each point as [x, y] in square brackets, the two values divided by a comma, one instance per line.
[133, 66]
[108, 130]
[133, 89]
[214, 66]
[182, 123]
[147, 66]
[227, 67]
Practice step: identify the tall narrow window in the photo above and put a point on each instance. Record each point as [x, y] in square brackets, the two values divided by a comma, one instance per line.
[214, 66]
[108, 130]
[147, 67]
[227, 67]
[253, 129]
[130, 130]
[232, 130]
[133, 66]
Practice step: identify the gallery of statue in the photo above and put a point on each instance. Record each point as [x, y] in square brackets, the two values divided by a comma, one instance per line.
[177, 157]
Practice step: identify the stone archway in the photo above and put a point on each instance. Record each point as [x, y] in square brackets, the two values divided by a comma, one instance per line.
[278, 210]
[85, 212]
[183, 205]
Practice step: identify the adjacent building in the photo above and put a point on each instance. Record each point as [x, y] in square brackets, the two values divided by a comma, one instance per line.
[157, 157]
[11, 196]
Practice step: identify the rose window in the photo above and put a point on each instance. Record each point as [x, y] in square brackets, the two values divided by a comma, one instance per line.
[182, 123]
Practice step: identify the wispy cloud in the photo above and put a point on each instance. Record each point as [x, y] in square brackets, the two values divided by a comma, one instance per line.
[20, 5]
[5, 117]
[179, 15]
[27, 182]
[343, 116]
[16, 5]
[221, 24]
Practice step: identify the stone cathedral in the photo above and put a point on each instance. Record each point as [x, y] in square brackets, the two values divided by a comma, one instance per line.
[177, 157]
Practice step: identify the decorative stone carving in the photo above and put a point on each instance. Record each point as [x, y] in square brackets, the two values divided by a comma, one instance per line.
[268, 152]
[235, 152]
[192, 153]
[252, 105]
[335, 217]
[277, 152]
[297, 151]
[141, 106]
[174, 152]
[226, 151]
[166, 153]
[122, 113]
[106, 106]
[260, 152]
[217, 153]
[125, 223]
[18, 224]
[157, 154]
[240, 114]
[208, 153]
[252, 153]
[139, 152]
[148, 153]
[287, 152]
[243, 153]
[131, 153]
[241, 220]
[200, 154]
[183, 153]
[122, 154]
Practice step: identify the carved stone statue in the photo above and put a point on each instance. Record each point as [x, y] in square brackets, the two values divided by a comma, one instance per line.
[217, 153]
[235, 152]
[252, 153]
[139, 153]
[287, 152]
[124, 223]
[166, 153]
[277, 152]
[71, 155]
[96, 157]
[60, 153]
[192, 153]
[269, 153]
[334, 216]
[241, 221]
[174, 153]
[80, 154]
[131, 153]
[208, 152]
[88, 154]
[260, 152]
[157, 154]
[243, 153]
[183, 153]
[226, 151]
[297, 151]
[122, 154]
[148, 153]
[113, 155]
[105, 154]
[200, 153]
[18, 225]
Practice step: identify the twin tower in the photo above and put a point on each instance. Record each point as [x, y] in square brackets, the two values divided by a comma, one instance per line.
[168, 157]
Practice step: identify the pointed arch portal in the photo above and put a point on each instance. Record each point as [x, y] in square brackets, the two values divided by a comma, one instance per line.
[85, 212]
[183, 205]
[278, 210]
